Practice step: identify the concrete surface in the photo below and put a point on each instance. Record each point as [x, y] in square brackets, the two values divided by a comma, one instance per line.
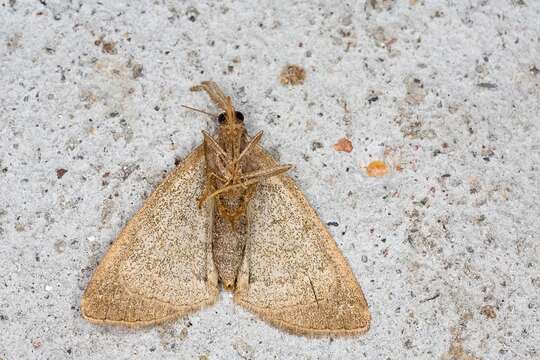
[446, 246]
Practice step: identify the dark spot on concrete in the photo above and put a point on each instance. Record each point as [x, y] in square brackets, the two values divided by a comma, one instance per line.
[60, 173]
[292, 75]
[104, 177]
[107, 47]
[474, 186]
[372, 99]
[412, 129]
[431, 298]
[381, 5]
[137, 71]
[60, 246]
[408, 344]
[13, 42]
[487, 85]
[192, 14]
[488, 311]
[127, 170]
[480, 219]
[316, 145]
[415, 90]
[332, 223]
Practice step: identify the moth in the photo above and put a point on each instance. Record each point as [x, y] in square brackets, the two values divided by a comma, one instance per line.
[228, 214]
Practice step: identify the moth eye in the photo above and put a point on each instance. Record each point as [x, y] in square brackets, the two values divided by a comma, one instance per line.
[221, 118]
[239, 116]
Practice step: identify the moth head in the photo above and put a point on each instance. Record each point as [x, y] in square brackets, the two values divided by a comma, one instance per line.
[231, 122]
[237, 118]
[229, 118]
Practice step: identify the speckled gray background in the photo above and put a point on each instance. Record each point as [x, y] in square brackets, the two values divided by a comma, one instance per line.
[446, 246]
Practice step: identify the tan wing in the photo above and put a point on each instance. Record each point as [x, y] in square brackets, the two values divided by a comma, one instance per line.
[293, 274]
[160, 267]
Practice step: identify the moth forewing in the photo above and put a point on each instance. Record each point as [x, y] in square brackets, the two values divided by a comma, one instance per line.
[293, 274]
[158, 269]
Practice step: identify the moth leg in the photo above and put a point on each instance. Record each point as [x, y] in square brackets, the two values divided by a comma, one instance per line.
[266, 173]
[254, 141]
[213, 175]
[263, 174]
[208, 139]
[210, 189]
[252, 178]
[232, 187]
[222, 157]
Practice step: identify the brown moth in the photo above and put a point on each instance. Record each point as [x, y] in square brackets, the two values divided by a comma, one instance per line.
[227, 214]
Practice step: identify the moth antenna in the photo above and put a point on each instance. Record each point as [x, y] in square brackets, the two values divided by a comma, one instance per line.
[229, 110]
[201, 111]
[215, 93]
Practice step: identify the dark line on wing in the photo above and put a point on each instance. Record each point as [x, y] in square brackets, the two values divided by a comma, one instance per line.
[313, 289]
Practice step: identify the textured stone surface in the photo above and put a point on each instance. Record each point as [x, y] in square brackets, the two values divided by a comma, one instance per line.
[445, 245]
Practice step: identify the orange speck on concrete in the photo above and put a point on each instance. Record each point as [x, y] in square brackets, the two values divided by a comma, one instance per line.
[292, 75]
[344, 145]
[377, 168]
